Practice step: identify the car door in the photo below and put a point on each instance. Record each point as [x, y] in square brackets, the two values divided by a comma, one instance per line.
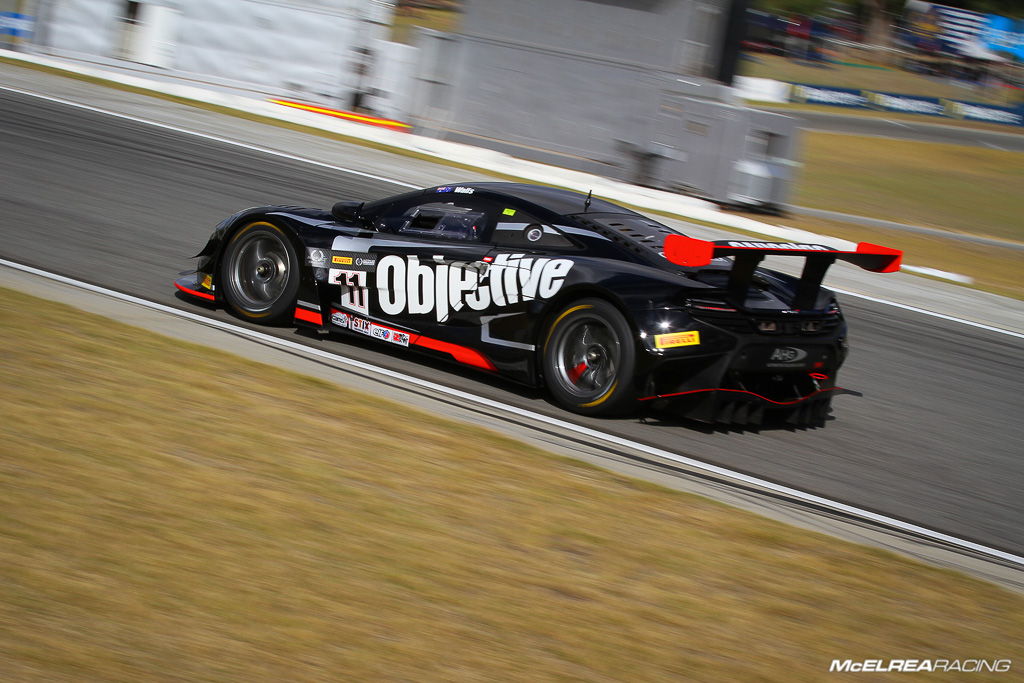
[532, 256]
[432, 262]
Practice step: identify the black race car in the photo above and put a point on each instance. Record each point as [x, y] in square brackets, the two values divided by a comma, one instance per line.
[606, 308]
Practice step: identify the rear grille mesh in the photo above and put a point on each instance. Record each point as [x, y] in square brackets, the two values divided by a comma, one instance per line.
[738, 323]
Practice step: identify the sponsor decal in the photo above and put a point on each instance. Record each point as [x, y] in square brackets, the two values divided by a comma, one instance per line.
[208, 281]
[780, 245]
[444, 189]
[674, 339]
[508, 212]
[405, 285]
[353, 261]
[457, 190]
[783, 355]
[917, 665]
[370, 329]
[317, 257]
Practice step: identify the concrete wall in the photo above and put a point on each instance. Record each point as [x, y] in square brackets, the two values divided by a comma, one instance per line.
[311, 48]
[303, 49]
[87, 26]
[666, 35]
[614, 87]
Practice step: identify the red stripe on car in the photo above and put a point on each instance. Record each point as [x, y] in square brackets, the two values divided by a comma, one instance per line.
[463, 354]
[193, 292]
[307, 316]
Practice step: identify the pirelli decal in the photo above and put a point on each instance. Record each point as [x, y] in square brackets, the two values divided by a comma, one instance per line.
[674, 339]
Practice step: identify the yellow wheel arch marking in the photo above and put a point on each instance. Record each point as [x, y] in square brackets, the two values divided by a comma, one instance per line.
[551, 330]
[602, 398]
[256, 224]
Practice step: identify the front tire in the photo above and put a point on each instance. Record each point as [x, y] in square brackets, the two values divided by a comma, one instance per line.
[260, 273]
[589, 358]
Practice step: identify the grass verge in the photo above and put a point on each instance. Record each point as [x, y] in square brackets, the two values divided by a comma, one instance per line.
[408, 19]
[964, 189]
[175, 512]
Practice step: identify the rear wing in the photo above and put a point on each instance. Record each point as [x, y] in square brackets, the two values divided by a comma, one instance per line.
[694, 253]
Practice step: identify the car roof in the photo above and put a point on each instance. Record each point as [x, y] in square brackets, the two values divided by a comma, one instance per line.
[556, 200]
[634, 231]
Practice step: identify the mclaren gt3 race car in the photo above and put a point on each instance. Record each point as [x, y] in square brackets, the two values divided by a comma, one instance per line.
[604, 307]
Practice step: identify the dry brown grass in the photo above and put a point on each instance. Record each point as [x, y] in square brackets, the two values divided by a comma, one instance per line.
[406, 20]
[965, 189]
[172, 512]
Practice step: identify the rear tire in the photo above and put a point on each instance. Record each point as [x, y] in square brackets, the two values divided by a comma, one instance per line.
[260, 274]
[589, 358]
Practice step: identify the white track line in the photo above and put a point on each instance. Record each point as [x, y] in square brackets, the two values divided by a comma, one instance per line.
[933, 314]
[312, 162]
[207, 136]
[560, 425]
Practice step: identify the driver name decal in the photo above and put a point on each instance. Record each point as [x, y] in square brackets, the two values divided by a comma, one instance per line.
[405, 284]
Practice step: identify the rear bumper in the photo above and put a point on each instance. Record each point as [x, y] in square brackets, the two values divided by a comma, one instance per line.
[747, 408]
[722, 376]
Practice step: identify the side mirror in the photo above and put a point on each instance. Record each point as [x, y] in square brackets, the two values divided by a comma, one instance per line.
[347, 211]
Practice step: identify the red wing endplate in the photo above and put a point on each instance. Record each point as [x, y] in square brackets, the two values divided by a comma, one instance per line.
[695, 253]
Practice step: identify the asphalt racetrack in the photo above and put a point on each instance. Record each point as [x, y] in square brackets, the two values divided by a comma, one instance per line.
[935, 439]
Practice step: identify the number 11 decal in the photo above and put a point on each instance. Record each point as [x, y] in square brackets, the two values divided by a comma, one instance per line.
[354, 295]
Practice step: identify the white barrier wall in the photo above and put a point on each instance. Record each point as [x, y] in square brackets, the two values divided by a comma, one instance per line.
[762, 89]
[89, 26]
[313, 48]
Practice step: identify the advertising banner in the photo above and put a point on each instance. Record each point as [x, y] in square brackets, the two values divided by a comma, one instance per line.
[973, 111]
[820, 94]
[1004, 36]
[17, 25]
[804, 93]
